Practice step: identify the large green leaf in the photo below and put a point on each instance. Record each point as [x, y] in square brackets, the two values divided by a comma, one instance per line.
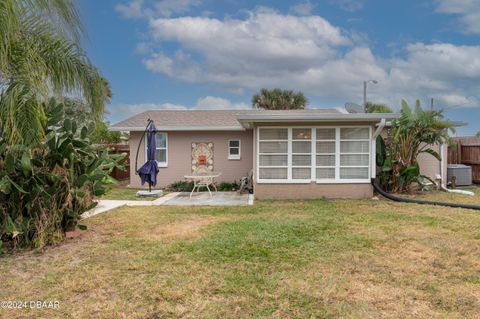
[81, 180]
[410, 170]
[433, 153]
[84, 133]
[18, 187]
[5, 185]
[380, 151]
[10, 163]
[26, 164]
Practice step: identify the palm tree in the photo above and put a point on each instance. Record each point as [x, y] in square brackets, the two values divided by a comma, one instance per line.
[278, 99]
[377, 108]
[40, 57]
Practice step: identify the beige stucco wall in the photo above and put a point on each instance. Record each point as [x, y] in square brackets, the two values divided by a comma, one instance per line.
[179, 155]
[312, 191]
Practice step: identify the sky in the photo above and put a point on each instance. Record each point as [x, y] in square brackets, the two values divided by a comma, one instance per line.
[207, 54]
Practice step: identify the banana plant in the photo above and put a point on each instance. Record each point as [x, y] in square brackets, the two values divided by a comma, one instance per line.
[411, 135]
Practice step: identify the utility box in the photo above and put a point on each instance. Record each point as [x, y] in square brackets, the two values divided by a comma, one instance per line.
[462, 173]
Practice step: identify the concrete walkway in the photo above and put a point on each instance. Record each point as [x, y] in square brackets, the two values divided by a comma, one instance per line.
[176, 199]
[204, 199]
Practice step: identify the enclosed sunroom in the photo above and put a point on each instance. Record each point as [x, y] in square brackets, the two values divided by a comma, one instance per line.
[310, 155]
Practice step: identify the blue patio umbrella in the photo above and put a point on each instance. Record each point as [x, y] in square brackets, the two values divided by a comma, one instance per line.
[149, 171]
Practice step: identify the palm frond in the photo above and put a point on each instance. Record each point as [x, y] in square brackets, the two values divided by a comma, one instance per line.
[40, 57]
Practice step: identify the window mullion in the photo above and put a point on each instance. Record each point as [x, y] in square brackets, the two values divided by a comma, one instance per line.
[337, 153]
[313, 172]
[289, 156]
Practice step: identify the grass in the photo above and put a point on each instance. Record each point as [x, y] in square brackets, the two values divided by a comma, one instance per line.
[442, 196]
[318, 259]
[121, 192]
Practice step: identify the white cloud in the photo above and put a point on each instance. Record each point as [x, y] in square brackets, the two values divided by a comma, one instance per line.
[269, 49]
[457, 100]
[218, 103]
[348, 5]
[132, 9]
[468, 12]
[245, 53]
[179, 66]
[303, 8]
[152, 9]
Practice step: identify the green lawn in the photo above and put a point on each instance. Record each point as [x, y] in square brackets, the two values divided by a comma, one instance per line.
[292, 259]
[443, 196]
[122, 192]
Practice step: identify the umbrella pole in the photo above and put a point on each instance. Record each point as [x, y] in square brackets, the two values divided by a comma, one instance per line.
[139, 144]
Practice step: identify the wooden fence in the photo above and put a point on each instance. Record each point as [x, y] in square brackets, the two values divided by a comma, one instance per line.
[118, 149]
[466, 150]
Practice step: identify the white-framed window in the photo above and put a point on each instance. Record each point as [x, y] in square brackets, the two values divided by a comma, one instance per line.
[322, 154]
[273, 152]
[161, 152]
[354, 153]
[326, 150]
[234, 149]
[301, 153]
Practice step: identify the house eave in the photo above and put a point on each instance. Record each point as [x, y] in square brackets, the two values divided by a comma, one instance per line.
[178, 128]
[249, 120]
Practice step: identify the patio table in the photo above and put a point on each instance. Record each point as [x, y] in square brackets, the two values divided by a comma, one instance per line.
[203, 179]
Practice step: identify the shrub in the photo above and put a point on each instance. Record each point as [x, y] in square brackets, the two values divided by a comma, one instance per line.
[45, 188]
[180, 186]
[184, 186]
[227, 187]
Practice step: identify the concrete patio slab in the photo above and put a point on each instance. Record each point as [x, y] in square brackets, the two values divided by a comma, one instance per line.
[177, 199]
[165, 198]
[204, 199]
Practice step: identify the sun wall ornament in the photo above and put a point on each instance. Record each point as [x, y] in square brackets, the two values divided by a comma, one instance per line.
[202, 155]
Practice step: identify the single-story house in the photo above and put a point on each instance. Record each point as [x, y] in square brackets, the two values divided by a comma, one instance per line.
[294, 154]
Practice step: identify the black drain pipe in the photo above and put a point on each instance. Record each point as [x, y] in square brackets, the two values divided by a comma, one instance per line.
[395, 198]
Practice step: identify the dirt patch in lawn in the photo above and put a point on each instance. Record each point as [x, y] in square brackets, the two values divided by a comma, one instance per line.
[188, 228]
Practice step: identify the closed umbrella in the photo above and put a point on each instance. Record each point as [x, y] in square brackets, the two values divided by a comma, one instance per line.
[148, 172]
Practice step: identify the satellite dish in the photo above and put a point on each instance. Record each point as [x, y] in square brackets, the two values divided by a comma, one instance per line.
[354, 108]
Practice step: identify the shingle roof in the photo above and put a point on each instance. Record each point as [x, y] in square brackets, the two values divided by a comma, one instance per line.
[189, 120]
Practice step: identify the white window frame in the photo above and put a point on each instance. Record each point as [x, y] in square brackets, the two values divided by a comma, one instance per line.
[289, 158]
[337, 180]
[235, 156]
[339, 153]
[160, 164]
[335, 154]
[291, 153]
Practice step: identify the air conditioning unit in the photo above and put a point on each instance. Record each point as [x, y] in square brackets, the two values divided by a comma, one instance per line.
[462, 173]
